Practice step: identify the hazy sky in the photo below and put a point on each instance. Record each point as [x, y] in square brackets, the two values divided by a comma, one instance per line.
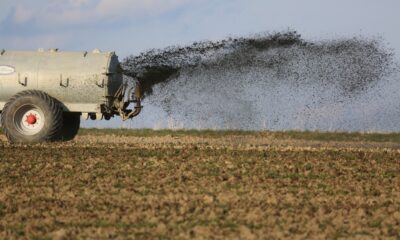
[131, 26]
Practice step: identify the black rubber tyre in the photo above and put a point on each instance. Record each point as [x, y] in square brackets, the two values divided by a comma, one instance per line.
[31, 117]
[71, 124]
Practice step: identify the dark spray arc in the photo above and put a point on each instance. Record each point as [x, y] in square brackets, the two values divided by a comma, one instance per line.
[241, 82]
[159, 65]
[363, 61]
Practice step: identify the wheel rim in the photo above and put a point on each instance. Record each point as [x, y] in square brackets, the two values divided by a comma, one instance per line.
[29, 119]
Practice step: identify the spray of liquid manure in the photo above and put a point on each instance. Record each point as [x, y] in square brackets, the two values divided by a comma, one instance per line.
[273, 81]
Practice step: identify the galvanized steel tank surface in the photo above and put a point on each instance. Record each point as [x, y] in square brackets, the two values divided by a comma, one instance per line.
[77, 79]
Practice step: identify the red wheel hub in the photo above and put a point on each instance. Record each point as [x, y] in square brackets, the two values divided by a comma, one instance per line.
[31, 119]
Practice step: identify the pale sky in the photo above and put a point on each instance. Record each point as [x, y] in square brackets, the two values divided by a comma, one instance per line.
[131, 26]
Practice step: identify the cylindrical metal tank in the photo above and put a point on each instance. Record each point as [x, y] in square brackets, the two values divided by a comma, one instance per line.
[43, 94]
[81, 81]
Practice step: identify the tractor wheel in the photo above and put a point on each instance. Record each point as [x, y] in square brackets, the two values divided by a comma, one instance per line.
[31, 117]
[71, 124]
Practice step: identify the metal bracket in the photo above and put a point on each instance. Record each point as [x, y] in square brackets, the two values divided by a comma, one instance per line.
[85, 116]
[62, 83]
[24, 81]
[99, 116]
[100, 83]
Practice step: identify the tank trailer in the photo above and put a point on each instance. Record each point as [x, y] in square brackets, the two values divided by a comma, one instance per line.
[43, 94]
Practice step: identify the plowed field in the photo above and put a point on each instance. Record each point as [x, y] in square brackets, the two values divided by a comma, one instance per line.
[183, 185]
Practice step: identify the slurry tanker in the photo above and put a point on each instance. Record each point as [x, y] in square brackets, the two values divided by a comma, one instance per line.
[44, 94]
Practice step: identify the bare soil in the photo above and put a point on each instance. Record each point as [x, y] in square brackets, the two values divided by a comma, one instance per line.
[163, 185]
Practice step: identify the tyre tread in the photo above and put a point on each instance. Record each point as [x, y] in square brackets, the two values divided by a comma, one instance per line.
[55, 110]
